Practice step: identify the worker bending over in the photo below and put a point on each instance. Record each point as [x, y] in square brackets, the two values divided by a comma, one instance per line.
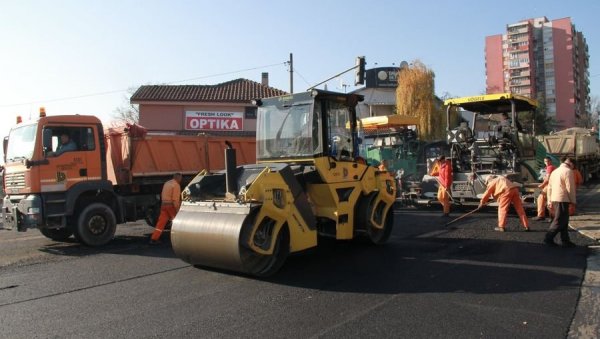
[504, 192]
[170, 202]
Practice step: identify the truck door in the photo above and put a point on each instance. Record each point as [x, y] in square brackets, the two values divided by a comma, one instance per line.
[67, 149]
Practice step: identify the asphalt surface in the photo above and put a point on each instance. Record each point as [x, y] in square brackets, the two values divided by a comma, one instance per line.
[427, 281]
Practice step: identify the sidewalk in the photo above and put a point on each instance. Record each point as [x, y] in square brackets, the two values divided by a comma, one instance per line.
[587, 219]
[586, 322]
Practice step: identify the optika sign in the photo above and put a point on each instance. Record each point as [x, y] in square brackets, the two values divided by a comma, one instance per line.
[214, 121]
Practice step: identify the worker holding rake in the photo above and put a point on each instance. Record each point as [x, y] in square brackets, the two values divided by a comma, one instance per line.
[442, 169]
[505, 192]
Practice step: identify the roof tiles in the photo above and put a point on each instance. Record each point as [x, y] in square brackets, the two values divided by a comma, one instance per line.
[238, 90]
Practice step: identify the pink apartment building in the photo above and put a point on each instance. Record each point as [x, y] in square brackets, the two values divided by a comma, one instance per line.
[545, 60]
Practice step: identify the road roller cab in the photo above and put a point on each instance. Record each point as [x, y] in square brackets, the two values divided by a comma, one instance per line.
[308, 182]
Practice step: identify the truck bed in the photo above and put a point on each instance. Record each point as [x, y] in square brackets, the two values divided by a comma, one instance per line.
[577, 145]
[161, 155]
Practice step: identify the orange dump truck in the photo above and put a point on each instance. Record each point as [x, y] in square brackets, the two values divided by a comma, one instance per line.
[104, 178]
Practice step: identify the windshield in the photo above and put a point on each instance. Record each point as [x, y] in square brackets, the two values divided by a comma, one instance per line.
[339, 131]
[21, 142]
[286, 132]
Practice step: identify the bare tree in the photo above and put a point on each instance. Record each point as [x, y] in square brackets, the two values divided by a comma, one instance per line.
[127, 112]
[589, 118]
[594, 110]
[415, 97]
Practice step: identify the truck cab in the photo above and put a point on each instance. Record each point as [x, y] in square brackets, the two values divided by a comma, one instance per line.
[44, 180]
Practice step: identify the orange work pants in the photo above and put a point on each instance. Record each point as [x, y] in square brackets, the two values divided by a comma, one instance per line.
[571, 209]
[541, 204]
[167, 213]
[504, 201]
[444, 198]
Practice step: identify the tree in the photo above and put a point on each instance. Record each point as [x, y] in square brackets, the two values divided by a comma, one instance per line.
[543, 123]
[594, 111]
[415, 97]
[127, 112]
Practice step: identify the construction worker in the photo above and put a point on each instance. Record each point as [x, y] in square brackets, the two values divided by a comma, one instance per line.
[561, 193]
[170, 202]
[504, 192]
[442, 169]
[541, 200]
[383, 165]
[578, 182]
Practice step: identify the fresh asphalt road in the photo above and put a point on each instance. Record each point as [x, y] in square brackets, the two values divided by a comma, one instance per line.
[427, 281]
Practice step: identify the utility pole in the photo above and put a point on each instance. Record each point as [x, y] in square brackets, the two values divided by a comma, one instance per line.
[291, 73]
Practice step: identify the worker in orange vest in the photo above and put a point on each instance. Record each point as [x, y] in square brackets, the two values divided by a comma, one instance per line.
[443, 170]
[505, 192]
[170, 202]
[383, 165]
[541, 200]
[578, 182]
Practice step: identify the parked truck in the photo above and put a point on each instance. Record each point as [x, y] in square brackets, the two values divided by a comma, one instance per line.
[391, 138]
[112, 177]
[577, 143]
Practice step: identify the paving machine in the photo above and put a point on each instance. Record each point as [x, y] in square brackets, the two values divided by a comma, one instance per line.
[490, 145]
[308, 182]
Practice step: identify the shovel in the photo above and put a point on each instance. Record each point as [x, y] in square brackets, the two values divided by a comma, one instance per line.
[464, 215]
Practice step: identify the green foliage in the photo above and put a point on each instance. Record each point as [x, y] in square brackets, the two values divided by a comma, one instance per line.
[543, 124]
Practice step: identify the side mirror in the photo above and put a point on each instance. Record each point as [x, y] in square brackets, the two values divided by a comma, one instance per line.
[47, 140]
[5, 147]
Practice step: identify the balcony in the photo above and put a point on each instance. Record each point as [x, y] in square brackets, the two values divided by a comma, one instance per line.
[521, 82]
[517, 30]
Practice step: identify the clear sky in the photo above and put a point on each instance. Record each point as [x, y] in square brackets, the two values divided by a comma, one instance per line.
[81, 57]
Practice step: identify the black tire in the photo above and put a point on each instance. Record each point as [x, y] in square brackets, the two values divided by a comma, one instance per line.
[365, 208]
[151, 215]
[96, 225]
[60, 234]
[362, 213]
[380, 236]
[260, 265]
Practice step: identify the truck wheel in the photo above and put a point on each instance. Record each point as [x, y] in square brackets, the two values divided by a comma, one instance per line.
[60, 234]
[151, 216]
[96, 225]
[380, 236]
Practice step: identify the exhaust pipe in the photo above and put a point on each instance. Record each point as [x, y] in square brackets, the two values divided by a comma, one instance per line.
[230, 172]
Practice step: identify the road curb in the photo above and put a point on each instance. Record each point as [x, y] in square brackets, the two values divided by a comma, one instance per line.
[585, 321]
[587, 219]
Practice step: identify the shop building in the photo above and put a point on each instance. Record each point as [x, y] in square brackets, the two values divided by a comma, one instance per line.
[221, 109]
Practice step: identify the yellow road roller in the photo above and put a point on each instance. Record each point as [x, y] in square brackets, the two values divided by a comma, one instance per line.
[309, 182]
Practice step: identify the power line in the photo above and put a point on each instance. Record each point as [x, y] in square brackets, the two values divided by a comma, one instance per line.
[302, 77]
[124, 90]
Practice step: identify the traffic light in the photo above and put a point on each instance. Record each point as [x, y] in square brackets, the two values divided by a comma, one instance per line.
[359, 78]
